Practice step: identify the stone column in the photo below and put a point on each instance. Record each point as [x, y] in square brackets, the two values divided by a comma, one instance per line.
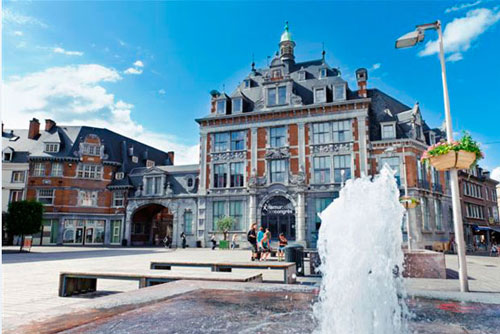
[363, 152]
[301, 219]
[60, 232]
[203, 164]
[252, 209]
[107, 232]
[128, 228]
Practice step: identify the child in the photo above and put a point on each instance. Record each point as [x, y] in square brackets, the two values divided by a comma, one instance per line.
[281, 248]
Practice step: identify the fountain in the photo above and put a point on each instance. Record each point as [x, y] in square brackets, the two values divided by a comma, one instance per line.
[360, 248]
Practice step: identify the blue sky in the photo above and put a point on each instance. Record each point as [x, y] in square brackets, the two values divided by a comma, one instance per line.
[145, 69]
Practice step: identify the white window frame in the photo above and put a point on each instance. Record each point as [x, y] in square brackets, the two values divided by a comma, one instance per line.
[326, 169]
[156, 187]
[119, 175]
[42, 194]
[19, 197]
[339, 98]
[344, 127]
[323, 73]
[89, 171]
[150, 163]
[392, 134]
[39, 169]
[91, 149]
[276, 101]
[278, 163]
[87, 198]
[51, 147]
[188, 231]
[118, 199]
[220, 111]
[240, 110]
[273, 137]
[302, 75]
[56, 171]
[324, 99]
[18, 176]
[322, 133]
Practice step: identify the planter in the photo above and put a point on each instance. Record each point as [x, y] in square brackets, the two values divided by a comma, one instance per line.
[408, 202]
[465, 159]
[224, 244]
[453, 159]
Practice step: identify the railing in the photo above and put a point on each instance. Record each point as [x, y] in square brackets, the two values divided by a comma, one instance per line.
[437, 187]
[424, 184]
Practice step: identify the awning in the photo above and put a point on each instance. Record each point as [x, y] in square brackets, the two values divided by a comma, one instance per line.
[495, 228]
[481, 228]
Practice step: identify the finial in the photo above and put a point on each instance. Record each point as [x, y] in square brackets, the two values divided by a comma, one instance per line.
[223, 88]
[286, 25]
[323, 53]
[253, 63]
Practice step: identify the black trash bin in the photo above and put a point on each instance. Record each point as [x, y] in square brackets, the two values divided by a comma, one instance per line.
[198, 243]
[295, 253]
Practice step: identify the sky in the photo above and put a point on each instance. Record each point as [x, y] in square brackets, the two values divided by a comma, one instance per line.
[145, 69]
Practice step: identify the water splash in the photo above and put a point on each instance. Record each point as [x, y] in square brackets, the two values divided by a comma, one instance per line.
[360, 247]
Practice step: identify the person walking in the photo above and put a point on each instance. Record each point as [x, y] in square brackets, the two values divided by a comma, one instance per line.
[233, 241]
[260, 237]
[214, 241]
[282, 242]
[252, 239]
[183, 238]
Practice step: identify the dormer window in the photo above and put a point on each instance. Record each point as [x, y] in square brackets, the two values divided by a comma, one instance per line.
[339, 93]
[119, 175]
[320, 95]
[432, 138]
[221, 107]
[246, 83]
[302, 75]
[51, 147]
[323, 73]
[150, 163]
[237, 105]
[388, 131]
[276, 96]
[7, 156]
[276, 74]
[91, 149]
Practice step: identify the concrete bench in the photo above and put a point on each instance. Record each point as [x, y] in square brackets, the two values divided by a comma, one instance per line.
[289, 268]
[71, 283]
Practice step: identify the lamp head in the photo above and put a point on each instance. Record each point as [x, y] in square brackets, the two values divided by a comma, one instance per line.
[410, 39]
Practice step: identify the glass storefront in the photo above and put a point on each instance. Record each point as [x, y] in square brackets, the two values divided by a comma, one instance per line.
[48, 236]
[116, 229]
[83, 231]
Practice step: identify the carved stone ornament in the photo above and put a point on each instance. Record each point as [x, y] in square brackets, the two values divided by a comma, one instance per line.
[169, 190]
[327, 148]
[299, 179]
[226, 156]
[277, 153]
[255, 181]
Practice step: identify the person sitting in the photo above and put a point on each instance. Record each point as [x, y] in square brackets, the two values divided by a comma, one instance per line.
[494, 250]
[281, 247]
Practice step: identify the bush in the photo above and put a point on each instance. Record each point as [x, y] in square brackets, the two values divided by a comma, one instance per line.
[224, 225]
[24, 217]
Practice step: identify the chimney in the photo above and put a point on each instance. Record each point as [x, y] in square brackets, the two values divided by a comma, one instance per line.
[34, 129]
[2, 127]
[213, 104]
[361, 78]
[130, 151]
[171, 156]
[49, 124]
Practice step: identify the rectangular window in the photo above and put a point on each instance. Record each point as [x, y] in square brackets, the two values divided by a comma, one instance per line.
[188, 222]
[51, 147]
[425, 214]
[276, 96]
[321, 204]
[154, 185]
[39, 169]
[237, 105]
[91, 149]
[302, 75]
[341, 131]
[321, 170]
[221, 107]
[116, 229]
[45, 196]
[388, 131]
[237, 174]
[218, 212]
[237, 140]
[342, 168]
[393, 163]
[150, 163]
[278, 170]
[221, 142]
[88, 198]
[236, 211]
[57, 169]
[439, 215]
[15, 196]
[339, 92]
[220, 175]
[322, 73]
[278, 136]
[17, 177]
[86, 171]
[321, 133]
[118, 199]
[246, 83]
[271, 96]
[282, 95]
[320, 95]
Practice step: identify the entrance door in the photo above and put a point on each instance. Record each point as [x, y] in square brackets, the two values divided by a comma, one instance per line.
[89, 235]
[79, 235]
[278, 214]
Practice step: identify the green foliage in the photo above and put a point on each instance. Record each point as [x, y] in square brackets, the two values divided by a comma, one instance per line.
[24, 217]
[225, 223]
[466, 143]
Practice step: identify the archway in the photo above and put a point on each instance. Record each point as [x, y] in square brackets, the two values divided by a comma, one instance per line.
[151, 224]
[278, 214]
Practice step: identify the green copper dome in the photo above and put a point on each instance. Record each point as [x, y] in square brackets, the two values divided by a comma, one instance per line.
[286, 35]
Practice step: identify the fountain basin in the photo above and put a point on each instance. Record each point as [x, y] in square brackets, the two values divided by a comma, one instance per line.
[422, 263]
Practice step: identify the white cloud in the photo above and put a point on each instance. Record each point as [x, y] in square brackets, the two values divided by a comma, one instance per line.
[18, 33]
[162, 91]
[74, 95]
[375, 66]
[21, 44]
[138, 63]
[11, 17]
[133, 70]
[461, 32]
[455, 57]
[495, 173]
[462, 6]
[66, 52]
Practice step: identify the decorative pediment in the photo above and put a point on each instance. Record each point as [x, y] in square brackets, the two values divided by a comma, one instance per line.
[277, 153]
[154, 170]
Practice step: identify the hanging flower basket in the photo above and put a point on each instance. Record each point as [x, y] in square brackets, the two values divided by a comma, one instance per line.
[409, 202]
[462, 154]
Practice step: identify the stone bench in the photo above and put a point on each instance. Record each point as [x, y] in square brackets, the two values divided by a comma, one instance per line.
[289, 268]
[71, 283]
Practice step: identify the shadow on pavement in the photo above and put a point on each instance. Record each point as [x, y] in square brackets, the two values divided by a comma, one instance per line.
[453, 274]
[9, 256]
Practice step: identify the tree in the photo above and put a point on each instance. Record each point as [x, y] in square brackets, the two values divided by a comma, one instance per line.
[225, 224]
[24, 217]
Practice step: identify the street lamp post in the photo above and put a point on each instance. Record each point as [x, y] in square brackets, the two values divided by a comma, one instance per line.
[411, 39]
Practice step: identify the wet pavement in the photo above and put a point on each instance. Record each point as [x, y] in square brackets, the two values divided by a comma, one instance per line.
[223, 311]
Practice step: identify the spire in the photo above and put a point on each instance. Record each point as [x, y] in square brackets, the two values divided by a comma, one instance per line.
[253, 63]
[286, 35]
[323, 53]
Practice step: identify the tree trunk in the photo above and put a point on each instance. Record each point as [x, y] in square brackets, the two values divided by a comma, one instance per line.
[22, 243]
